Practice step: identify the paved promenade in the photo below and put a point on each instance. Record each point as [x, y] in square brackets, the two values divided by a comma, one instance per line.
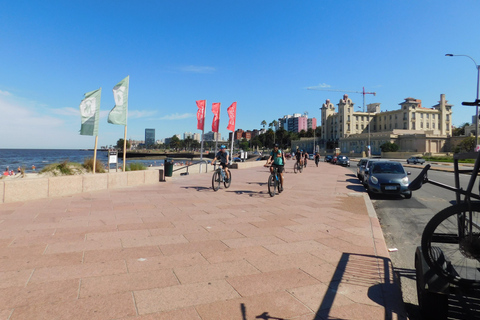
[179, 250]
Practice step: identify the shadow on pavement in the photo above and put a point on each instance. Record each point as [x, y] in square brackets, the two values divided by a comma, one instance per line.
[199, 188]
[357, 270]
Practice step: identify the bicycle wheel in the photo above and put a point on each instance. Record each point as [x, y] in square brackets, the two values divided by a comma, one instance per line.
[300, 169]
[451, 244]
[216, 179]
[272, 183]
[295, 168]
[227, 184]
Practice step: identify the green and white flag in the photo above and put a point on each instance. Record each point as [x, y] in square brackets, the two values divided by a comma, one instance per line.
[90, 113]
[118, 115]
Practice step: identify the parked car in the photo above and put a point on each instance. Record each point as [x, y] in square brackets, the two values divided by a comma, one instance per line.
[364, 170]
[343, 161]
[415, 160]
[328, 158]
[388, 177]
[360, 164]
[311, 157]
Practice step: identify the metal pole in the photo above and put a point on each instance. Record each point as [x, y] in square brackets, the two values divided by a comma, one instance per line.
[478, 89]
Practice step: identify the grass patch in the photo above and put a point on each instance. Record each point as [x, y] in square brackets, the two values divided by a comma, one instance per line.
[64, 168]
[99, 166]
[135, 167]
[448, 159]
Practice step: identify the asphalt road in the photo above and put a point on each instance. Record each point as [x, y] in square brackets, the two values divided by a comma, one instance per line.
[403, 221]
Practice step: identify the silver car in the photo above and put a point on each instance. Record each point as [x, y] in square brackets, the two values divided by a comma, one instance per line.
[364, 170]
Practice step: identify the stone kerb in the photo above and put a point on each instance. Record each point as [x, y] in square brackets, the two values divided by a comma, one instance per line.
[94, 182]
[27, 189]
[135, 178]
[117, 180]
[2, 191]
[64, 186]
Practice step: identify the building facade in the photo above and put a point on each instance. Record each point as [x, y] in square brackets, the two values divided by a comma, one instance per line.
[297, 122]
[149, 137]
[413, 127]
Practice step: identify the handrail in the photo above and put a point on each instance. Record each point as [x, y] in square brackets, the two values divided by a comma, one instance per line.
[192, 164]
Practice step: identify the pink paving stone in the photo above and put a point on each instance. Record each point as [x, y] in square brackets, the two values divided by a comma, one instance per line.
[109, 307]
[193, 247]
[180, 314]
[295, 247]
[106, 285]
[15, 278]
[281, 305]
[271, 281]
[153, 241]
[165, 262]
[78, 271]
[256, 253]
[121, 254]
[288, 261]
[220, 235]
[217, 271]
[181, 296]
[250, 242]
[39, 261]
[43, 293]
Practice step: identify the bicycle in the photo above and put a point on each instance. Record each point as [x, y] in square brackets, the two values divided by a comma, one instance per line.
[274, 184]
[297, 167]
[219, 177]
[451, 239]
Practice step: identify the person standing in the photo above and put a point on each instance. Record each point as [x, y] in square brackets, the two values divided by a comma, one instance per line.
[317, 158]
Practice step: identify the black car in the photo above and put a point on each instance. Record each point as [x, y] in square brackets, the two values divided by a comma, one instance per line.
[343, 161]
[328, 159]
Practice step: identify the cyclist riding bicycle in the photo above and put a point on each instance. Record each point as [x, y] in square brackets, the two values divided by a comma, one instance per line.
[299, 156]
[278, 159]
[224, 157]
[305, 156]
[317, 158]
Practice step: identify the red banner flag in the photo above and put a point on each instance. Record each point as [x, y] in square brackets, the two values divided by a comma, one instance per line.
[232, 114]
[216, 116]
[201, 114]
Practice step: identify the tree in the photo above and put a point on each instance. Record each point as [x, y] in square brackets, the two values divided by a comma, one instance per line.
[244, 144]
[310, 133]
[272, 125]
[460, 131]
[175, 143]
[467, 144]
[389, 147]
[120, 144]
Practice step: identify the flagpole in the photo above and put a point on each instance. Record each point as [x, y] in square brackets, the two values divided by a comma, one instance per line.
[95, 155]
[125, 149]
[231, 148]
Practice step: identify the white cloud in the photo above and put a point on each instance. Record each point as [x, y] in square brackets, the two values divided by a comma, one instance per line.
[198, 69]
[135, 114]
[320, 86]
[68, 111]
[5, 93]
[177, 116]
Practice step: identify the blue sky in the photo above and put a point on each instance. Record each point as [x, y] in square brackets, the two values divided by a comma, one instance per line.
[262, 54]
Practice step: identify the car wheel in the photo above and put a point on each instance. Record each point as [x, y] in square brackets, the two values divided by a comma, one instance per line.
[408, 162]
[408, 195]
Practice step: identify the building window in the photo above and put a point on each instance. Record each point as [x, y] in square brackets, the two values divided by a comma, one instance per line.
[421, 125]
[427, 115]
[404, 125]
[448, 117]
[413, 115]
[413, 126]
[363, 127]
[428, 125]
[421, 115]
[404, 116]
[433, 125]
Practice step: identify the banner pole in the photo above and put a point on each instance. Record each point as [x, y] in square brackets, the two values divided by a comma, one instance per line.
[231, 148]
[95, 155]
[125, 149]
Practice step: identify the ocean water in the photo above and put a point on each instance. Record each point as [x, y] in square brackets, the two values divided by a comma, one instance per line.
[14, 158]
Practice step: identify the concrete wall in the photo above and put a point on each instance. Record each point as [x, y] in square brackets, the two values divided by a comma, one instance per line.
[32, 188]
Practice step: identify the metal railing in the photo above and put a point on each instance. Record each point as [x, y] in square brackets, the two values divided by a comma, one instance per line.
[192, 164]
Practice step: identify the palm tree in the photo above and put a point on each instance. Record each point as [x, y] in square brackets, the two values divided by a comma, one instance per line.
[272, 125]
[263, 123]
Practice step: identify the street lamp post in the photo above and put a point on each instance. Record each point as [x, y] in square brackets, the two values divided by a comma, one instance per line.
[478, 91]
